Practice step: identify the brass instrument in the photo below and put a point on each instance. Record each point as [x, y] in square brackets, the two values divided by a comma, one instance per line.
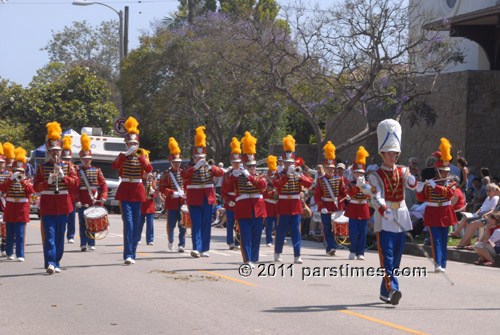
[139, 152]
[149, 186]
[19, 178]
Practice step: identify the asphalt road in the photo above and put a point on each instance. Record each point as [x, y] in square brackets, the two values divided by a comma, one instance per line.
[173, 293]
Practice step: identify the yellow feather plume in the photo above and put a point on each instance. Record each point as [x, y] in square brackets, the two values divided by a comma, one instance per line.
[329, 150]
[131, 125]
[67, 142]
[361, 155]
[8, 149]
[85, 142]
[53, 131]
[289, 143]
[173, 146]
[1, 149]
[249, 143]
[272, 163]
[200, 139]
[235, 146]
[20, 155]
[445, 149]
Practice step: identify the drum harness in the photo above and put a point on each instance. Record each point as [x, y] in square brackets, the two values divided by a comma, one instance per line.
[174, 180]
[87, 185]
[331, 192]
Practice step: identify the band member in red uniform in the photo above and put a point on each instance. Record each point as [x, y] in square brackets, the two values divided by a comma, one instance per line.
[357, 210]
[228, 193]
[270, 199]
[148, 207]
[132, 165]
[288, 183]
[92, 191]
[250, 209]
[172, 186]
[18, 191]
[53, 179]
[66, 156]
[439, 213]
[392, 219]
[329, 195]
[4, 174]
[198, 180]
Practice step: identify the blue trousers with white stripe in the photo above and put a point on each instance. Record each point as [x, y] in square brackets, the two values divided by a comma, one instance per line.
[357, 235]
[439, 239]
[201, 225]
[284, 223]
[131, 214]
[251, 232]
[390, 248]
[53, 229]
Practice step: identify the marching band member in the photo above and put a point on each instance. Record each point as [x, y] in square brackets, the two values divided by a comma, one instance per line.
[250, 209]
[358, 210]
[392, 218]
[18, 191]
[172, 186]
[439, 213]
[198, 180]
[228, 193]
[4, 174]
[270, 200]
[8, 149]
[92, 191]
[288, 183]
[66, 156]
[329, 196]
[132, 165]
[53, 179]
[148, 208]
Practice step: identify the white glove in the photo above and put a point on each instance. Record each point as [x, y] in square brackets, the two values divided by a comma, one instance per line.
[152, 191]
[245, 173]
[60, 172]
[420, 186]
[131, 150]
[324, 211]
[78, 204]
[388, 214]
[176, 194]
[231, 203]
[200, 163]
[410, 179]
[360, 181]
[51, 178]
[236, 173]
[14, 176]
[291, 169]
[431, 183]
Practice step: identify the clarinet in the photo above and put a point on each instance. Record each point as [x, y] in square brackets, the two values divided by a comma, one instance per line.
[56, 160]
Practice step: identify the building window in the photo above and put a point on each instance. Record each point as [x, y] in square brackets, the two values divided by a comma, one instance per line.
[451, 3]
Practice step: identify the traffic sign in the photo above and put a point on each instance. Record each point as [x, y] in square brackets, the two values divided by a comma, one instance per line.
[119, 125]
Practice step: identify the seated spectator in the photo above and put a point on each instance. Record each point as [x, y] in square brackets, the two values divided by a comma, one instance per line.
[495, 180]
[489, 246]
[218, 215]
[413, 165]
[458, 200]
[478, 195]
[430, 171]
[478, 219]
[485, 172]
[485, 181]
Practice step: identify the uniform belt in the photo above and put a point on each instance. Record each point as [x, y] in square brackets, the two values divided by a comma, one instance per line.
[329, 199]
[17, 199]
[52, 192]
[439, 204]
[231, 193]
[132, 180]
[249, 196]
[289, 196]
[85, 187]
[395, 204]
[200, 186]
[271, 201]
[353, 201]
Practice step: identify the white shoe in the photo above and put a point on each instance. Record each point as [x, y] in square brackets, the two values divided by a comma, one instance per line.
[133, 261]
[360, 257]
[180, 249]
[10, 258]
[269, 245]
[277, 257]
[205, 254]
[139, 242]
[71, 241]
[331, 252]
[298, 260]
[4, 254]
[215, 223]
[57, 270]
[170, 246]
[50, 269]
[352, 255]
[237, 247]
[128, 261]
[92, 247]
[231, 246]
[195, 254]
[439, 269]
[252, 265]
[20, 259]
[151, 243]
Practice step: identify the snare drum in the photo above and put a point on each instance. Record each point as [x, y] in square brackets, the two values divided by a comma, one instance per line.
[3, 227]
[96, 219]
[340, 224]
[185, 218]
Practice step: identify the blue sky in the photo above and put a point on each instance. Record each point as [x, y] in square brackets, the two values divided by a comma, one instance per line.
[26, 26]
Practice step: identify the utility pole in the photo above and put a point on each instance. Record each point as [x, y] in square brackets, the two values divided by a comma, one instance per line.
[190, 11]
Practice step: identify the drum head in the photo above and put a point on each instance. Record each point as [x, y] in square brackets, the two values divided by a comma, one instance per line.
[339, 217]
[95, 212]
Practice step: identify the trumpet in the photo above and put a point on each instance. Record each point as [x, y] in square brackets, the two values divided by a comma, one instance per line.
[19, 178]
[140, 151]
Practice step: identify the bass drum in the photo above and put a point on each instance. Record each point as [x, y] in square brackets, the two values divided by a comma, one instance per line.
[340, 228]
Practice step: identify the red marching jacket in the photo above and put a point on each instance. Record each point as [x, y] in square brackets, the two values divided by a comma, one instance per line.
[199, 184]
[17, 200]
[438, 212]
[96, 181]
[249, 200]
[323, 198]
[167, 187]
[228, 192]
[148, 206]
[131, 169]
[357, 208]
[50, 202]
[289, 202]
[271, 202]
